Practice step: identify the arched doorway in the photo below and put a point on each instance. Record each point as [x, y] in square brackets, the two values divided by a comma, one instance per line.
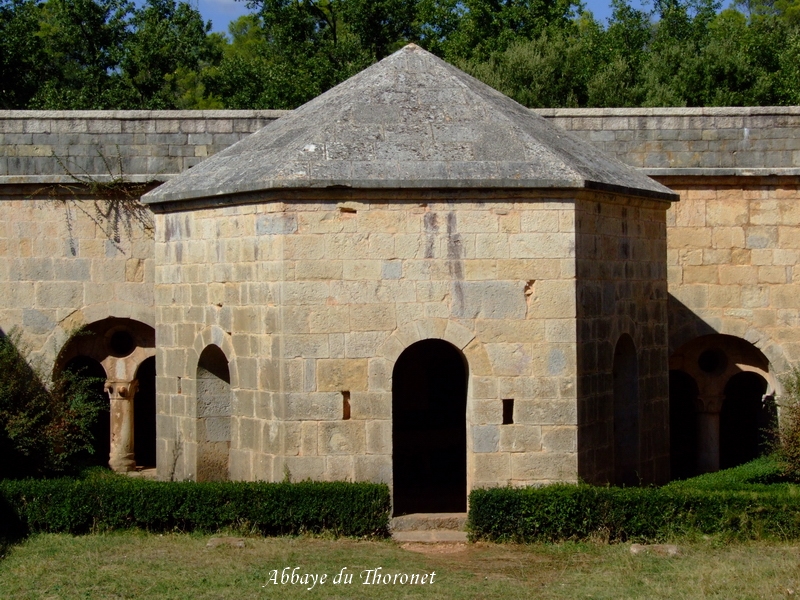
[429, 429]
[83, 366]
[626, 412]
[121, 347]
[144, 414]
[213, 415]
[683, 394]
[746, 420]
[732, 378]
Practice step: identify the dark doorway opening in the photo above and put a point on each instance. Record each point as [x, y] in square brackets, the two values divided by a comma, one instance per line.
[429, 429]
[626, 413]
[83, 366]
[144, 415]
[683, 394]
[746, 422]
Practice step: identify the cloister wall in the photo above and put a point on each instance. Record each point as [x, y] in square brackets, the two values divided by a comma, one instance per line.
[732, 255]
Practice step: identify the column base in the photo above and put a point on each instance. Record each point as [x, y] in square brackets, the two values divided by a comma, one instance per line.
[122, 464]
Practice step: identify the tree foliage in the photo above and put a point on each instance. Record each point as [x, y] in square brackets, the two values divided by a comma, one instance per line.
[112, 54]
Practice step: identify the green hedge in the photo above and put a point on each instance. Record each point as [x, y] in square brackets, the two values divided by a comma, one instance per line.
[575, 512]
[114, 502]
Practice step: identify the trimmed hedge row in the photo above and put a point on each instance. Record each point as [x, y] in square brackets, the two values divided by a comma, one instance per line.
[106, 503]
[574, 512]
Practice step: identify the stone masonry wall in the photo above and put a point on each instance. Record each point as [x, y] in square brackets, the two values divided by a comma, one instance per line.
[139, 145]
[692, 141]
[308, 299]
[734, 248]
[622, 289]
[60, 269]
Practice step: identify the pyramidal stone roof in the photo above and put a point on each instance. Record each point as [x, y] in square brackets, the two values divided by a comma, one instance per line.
[410, 121]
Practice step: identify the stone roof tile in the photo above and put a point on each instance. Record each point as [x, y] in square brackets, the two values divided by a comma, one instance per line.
[409, 121]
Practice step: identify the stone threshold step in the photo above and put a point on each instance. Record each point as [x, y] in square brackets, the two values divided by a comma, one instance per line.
[429, 521]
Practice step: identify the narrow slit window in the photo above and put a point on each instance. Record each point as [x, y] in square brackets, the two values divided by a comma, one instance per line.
[345, 406]
[508, 411]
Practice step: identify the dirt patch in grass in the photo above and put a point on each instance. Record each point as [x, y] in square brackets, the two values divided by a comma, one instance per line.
[438, 548]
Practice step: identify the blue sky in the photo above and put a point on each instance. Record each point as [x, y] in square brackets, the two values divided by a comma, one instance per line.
[222, 12]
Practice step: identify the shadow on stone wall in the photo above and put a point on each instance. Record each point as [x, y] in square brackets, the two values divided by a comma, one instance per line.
[684, 324]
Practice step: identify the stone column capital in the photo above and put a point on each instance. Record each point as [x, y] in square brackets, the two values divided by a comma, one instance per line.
[710, 403]
[121, 390]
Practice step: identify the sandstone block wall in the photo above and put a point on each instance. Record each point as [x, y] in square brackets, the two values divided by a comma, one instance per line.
[61, 267]
[731, 261]
[314, 299]
[621, 289]
[734, 245]
[317, 298]
[754, 140]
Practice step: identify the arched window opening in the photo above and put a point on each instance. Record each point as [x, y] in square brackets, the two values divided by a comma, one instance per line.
[213, 415]
[144, 414]
[747, 420]
[429, 429]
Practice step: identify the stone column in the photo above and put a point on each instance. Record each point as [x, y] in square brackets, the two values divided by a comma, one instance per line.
[121, 393]
[708, 435]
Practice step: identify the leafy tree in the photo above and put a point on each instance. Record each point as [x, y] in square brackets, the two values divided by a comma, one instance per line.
[381, 26]
[549, 71]
[83, 45]
[21, 52]
[110, 54]
[474, 29]
[168, 45]
[620, 51]
[286, 54]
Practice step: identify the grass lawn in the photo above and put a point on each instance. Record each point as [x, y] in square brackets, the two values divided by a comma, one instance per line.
[141, 565]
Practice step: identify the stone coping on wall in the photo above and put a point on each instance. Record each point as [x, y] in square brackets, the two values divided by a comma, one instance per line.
[99, 178]
[739, 111]
[58, 147]
[132, 115]
[670, 111]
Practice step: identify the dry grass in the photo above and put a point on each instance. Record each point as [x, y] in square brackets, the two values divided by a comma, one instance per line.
[139, 565]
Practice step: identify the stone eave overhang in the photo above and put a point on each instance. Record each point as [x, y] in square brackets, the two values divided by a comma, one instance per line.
[416, 190]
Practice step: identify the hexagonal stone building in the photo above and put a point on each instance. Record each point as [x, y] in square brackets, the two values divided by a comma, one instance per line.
[412, 279]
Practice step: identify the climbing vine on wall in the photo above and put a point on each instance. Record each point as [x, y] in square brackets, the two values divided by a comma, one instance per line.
[110, 200]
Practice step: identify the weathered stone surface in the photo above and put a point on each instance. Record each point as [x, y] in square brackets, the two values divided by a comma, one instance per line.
[342, 374]
[356, 135]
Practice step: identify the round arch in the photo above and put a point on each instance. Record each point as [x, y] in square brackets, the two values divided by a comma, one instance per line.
[213, 400]
[735, 383]
[121, 346]
[429, 428]
[213, 335]
[89, 315]
[680, 338]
